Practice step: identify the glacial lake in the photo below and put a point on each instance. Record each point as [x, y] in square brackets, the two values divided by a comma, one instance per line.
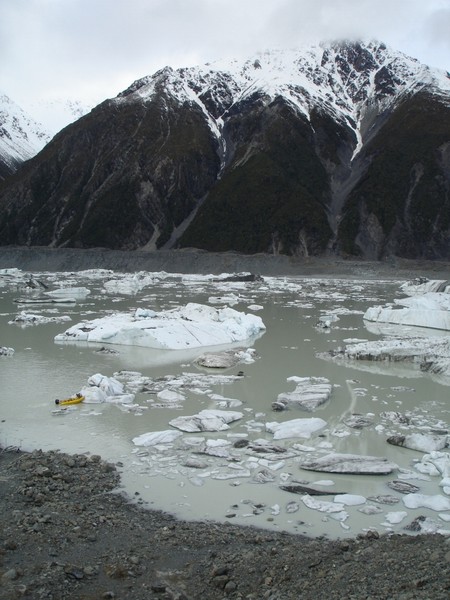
[239, 487]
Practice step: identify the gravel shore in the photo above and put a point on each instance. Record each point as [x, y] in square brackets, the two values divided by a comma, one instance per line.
[198, 261]
[68, 533]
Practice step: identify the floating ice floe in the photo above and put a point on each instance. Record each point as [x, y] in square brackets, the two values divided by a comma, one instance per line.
[431, 356]
[79, 293]
[395, 517]
[403, 487]
[230, 299]
[130, 284]
[5, 351]
[197, 383]
[207, 420]
[435, 464]
[422, 285]
[423, 442]
[226, 359]
[45, 300]
[325, 321]
[426, 525]
[309, 394]
[105, 389]
[155, 438]
[191, 326]
[170, 396]
[350, 499]
[436, 502]
[431, 310]
[299, 488]
[354, 464]
[302, 428]
[356, 421]
[25, 319]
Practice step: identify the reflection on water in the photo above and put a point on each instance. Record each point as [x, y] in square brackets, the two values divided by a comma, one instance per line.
[223, 488]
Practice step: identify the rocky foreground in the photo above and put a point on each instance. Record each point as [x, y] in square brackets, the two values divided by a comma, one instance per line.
[66, 533]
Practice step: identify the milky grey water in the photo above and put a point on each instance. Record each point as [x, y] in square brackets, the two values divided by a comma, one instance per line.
[41, 370]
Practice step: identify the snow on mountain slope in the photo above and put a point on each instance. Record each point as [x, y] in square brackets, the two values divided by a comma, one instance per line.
[346, 80]
[341, 148]
[21, 137]
[57, 113]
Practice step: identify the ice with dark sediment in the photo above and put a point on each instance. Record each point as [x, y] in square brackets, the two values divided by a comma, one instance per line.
[430, 355]
[206, 420]
[427, 306]
[6, 351]
[309, 394]
[423, 442]
[226, 358]
[351, 464]
[26, 319]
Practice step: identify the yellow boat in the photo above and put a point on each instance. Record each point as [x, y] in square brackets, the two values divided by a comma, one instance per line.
[72, 400]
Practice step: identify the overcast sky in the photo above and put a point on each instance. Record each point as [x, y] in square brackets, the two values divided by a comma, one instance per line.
[95, 48]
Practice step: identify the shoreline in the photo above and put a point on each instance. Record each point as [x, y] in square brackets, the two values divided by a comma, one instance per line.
[202, 262]
[66, 534]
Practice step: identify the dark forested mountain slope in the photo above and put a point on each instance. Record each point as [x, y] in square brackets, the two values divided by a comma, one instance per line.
[341, 148]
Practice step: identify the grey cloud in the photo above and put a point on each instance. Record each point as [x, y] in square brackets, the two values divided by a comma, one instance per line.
[79, 46]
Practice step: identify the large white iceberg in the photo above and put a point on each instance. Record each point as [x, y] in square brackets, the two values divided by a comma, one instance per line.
[191, 326]
[431, 310]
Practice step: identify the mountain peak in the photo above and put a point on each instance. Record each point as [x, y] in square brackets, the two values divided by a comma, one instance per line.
[342, 147]
[21, 137]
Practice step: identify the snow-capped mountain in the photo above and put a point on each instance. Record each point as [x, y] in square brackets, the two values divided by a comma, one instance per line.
[345, 80]
[21, 137]
[57, 113]
[342, 147]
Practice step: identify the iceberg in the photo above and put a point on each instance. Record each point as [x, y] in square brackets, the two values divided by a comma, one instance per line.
[6, 351]
[423, 442]
[302, 428]
[78, 293]
[105, 389]
[436, 502]
[192, 326]
[431, 355]
[422, 285]
[25, 319]
[206, 420]
[431, 310]
[156, 437]
[309, 394]
[350, 464]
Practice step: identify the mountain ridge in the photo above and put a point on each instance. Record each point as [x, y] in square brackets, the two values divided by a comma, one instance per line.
[280, 153]
[21, 137]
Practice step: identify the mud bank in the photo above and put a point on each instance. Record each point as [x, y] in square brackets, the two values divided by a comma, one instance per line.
[196, 261]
